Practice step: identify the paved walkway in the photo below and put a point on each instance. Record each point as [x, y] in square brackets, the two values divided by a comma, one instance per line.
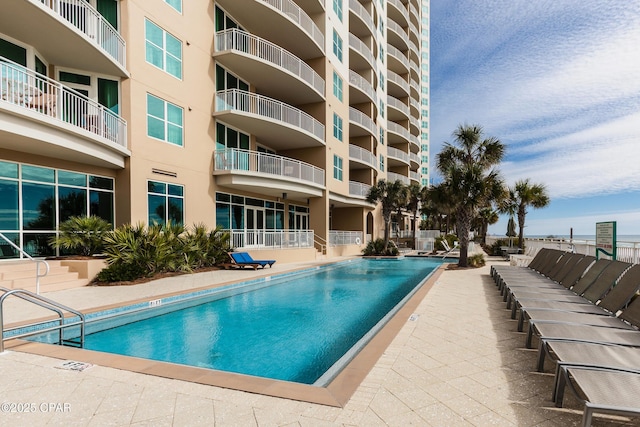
[456, 362]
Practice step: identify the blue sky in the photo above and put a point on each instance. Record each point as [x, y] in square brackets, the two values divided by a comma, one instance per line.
[558, 82]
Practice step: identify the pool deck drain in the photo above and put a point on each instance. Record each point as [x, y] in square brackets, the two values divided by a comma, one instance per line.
[459, 363]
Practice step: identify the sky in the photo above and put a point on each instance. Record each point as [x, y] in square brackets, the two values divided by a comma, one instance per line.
[556, 81]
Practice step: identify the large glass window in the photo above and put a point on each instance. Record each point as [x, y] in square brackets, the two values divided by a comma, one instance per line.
[165, 203]
[34, 200]
[337, 8]
[163, 50]
[164, 120]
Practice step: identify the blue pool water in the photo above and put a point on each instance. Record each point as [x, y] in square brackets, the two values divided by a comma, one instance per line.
[294, 329]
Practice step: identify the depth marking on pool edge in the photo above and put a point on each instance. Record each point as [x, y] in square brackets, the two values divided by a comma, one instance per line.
[414, 317]
[155, 303]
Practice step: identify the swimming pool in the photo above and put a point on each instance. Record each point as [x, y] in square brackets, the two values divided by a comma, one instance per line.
[300, 327]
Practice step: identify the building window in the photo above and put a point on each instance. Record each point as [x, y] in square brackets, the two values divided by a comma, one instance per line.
[337, 127]
[164, 120]
[176, 4]
[425, 124]
[425, 159]
[35, 200]
[337, 86]
[165, 202]
[231, 214]
[337, 8]
[382, 109]
[337, 167]
[163, 50]
[337, 45]
[382, 136]
[381, 163]
[425, 170]
[381, 53]
[424, 147]
[424, 136]
[382, 81]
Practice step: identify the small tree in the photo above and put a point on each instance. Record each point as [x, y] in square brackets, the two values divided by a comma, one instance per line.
[527, 194]
[387, 194]
[81, 235]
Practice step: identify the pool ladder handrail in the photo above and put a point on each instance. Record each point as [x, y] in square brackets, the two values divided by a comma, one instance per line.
[47, 304]
[29, 257]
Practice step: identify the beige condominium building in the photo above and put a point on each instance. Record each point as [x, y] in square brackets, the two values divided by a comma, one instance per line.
[269, 118]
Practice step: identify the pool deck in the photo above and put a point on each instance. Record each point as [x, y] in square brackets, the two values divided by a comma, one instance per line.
[456, 360]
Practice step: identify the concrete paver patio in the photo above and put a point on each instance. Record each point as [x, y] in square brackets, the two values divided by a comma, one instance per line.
[456, 362]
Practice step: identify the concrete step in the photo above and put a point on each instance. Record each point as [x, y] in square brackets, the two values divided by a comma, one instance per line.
[27, 265]
[22, 275]
[31, 272]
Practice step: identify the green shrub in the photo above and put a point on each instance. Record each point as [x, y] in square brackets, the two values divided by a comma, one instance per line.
[376, 247]
[81, 235]
[120, 272]
[476, 261]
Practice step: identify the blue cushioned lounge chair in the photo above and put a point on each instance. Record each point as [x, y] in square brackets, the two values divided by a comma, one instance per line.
[243, 259]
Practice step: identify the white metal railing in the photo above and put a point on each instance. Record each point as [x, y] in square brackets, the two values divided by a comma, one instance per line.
[414, 121]
[357, 116]
[414, 157]
[358, 189]
[414, 176]
[30, 258]
[272, 239]
[320, 244]
[392, 177]
[32, 91]
[395, 27]
[356, 80]
[398, 54]
[235, 99]
[235, 39]
[361, 12]
[89, 21]
[341, 238]
[233, 159]
[359, 153]
[401, 8]
[397, 79]
[397, 154]
[396, 128]
[356, 44]
[398, 105]
[297, 15]
[625, 251]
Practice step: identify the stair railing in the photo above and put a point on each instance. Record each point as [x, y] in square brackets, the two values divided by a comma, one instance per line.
[37, 261]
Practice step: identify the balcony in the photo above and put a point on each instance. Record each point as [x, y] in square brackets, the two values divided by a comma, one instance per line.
[415, 160]
[415, 177]
[267, 173]
[397, 157]
[358, 189]
[277, 72]
[364, 25]
[364, 125]
[363, 90]
[363, 57]
[362, 156]
[41, 116]
[397, 61]
[397, 133]
[283, 22]
[396, 11]
[67, 33]
[271, 239]
[397, 86]
[397, 109]
[397, 36]
[393, 177]
[275, 123]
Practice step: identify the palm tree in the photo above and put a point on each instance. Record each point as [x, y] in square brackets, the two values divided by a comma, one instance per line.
[415, 195]
[387, 194]
[486, 217]
[526, 194]
[470, 178]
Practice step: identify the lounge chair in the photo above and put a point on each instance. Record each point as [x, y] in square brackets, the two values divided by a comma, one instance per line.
[448, 249]
[243, 259]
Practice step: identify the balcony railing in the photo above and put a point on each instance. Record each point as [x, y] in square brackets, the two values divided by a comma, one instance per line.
[401, 8]
[396, 128]
[358, 189]
[341, 238]
[395, 78]
[356, 80]
[397, 154]
[393, 177]
[247, 102]
[269, 52]
[32, 91]
[297, 15]
[359, 153]
[414, 176]
[271, 239]
[398, 105]
[361, 12]
[357, 116]
[399, 55]
[89, 21]
[233, 159]
[414, 158]
[356, 44]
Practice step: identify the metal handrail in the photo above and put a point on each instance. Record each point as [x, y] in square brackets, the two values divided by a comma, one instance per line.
[37, 261]
[45, 303]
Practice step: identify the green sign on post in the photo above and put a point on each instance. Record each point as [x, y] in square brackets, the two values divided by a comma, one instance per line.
[606, 239]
